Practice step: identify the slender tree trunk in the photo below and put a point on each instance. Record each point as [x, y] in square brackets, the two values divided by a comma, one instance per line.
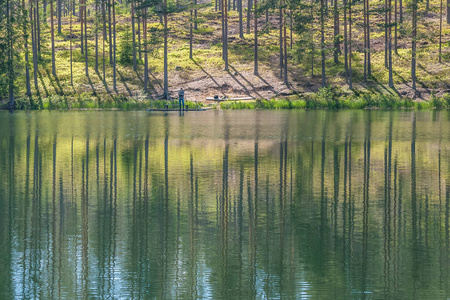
[190, 35]
[336, 33]
[345, 42]
[166, 71]
[286, 82]
[53, 39]
[369, 68]
[111, 62]
[144, 25]
[71, 57]
[350, 45]
[249, 9]
[255, 71]
[25, 38]
[365, 39]
[139, 33]
[241, 26]
[225, 12]
[386, 35]
[134, 36]
[85, 39]
[114, 42]
[38, 28]
[401, 11]
[10, 56]
[59, 8]
[281, 39]
[440, 32]
[34, 45]
[291, 29]
[195, 15]
[448, 11]
[391, 80]
[395, 29]
[104, 38]
[81, 26]
[96, 35]
[413, 44]
[322, 39]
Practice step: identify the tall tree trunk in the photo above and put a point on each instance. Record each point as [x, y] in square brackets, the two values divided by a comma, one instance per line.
[369, 68]
[255, 71]
[134, 36]
[448, 11]
[104, 38]
[350, 85]
[81, 26]
[53, 39]
[195, 15]
[345, 42]
[365, 39]
[241, 26]
[166, 71]
[38, 28]
[249, 9]
[190, 35]
[96, 35]
[440, 32]
[111, 61]
[336, 33]
[281, 38]
[71, 57]
[395, 29]
[285, 50]
[25, 38]
[386, 35]
[322, 39]
[413, 44]
[59, 8]
[139, 33]
[391, 80]
[225, 33]
[34, 45]
[85, 39]
[291, 24]
[401, 11]
[144, 26]
[312, 49]
[10, 56]
[114, 42]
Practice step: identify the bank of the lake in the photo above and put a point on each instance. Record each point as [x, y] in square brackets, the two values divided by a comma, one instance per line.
[325, 98]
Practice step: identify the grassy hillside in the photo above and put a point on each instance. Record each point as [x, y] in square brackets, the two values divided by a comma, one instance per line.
[204, 75]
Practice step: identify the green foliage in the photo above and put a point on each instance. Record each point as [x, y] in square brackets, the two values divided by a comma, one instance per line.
[126, 48]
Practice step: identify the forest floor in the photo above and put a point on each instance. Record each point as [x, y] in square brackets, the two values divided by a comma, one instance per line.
[204, 75]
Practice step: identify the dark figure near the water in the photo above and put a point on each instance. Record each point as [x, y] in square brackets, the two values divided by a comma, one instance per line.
[181, 98]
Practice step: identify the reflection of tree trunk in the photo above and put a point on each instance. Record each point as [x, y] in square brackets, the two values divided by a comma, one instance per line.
[365, 233]
[414, 210]
[240, 222]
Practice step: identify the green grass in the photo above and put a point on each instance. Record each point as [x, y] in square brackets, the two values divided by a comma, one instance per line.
[329, 98]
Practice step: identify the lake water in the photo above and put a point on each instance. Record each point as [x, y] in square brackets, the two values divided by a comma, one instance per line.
[225, 204]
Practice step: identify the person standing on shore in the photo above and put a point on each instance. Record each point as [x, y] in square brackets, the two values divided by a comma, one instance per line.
[181, 98]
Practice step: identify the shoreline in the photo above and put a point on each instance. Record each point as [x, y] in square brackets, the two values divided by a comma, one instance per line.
[325, 98]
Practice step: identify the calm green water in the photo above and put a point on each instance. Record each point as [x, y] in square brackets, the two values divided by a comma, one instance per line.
[245, 204]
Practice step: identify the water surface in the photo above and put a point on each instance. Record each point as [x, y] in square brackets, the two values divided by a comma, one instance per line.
[224, 204]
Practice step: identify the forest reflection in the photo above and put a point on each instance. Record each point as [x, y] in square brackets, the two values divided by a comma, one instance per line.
[225, 205]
